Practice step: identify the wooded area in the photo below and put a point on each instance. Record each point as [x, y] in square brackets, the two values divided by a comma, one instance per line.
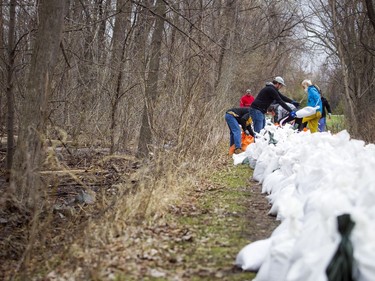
[152, 80]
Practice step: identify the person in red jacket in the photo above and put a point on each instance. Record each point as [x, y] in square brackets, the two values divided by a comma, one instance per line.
[247, 99]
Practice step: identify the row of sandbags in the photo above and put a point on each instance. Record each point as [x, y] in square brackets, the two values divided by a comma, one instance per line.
[310, 181]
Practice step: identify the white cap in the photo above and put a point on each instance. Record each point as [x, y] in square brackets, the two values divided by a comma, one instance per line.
[248, 91]
[306, 82]
[280, 80]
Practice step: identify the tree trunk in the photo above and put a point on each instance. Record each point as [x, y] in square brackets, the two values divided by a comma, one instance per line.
[10, 94]
[151, 90]
[228, 17]
[344, 68]
[25, 176]
[117, 61]
[2, 60]
[371, 11]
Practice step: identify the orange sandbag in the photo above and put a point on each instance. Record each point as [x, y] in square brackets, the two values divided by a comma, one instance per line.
[245, 141]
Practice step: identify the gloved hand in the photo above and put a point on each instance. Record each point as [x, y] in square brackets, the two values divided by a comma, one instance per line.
[295, 103]
[329, 115]
[292, 114]
[247, 132]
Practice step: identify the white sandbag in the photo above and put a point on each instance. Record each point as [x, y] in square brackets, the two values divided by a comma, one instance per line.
[272, 180]
[276, 181]
[256, 149]
[314, 248]
[239, 158]
[306, 111]
[251, 257]
[308, 177]
[266, 163]
[276, 263]
[291, 208]
[312, 266]
[273, 165]
[281, 197]
[258, 173]
[363, 241]
[252, 162]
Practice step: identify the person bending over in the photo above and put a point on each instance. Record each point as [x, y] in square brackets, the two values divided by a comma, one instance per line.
[269, 94]
[235, 117]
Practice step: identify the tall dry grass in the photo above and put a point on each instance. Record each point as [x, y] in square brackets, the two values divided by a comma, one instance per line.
[38, 247]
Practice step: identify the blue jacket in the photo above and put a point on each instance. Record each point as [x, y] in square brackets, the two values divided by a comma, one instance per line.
[313, 98]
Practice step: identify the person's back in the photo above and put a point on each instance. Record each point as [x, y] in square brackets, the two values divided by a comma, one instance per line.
[322, 121]
[313, 98]
[269, 94]
[235, 117]
[325, 105]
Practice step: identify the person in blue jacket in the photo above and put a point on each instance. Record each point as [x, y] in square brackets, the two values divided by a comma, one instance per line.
[313, 100]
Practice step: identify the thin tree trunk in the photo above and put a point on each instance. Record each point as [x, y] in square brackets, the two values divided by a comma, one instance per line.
[25, 176]
[2, 58]
[371, 11]
[151, 91]
[344, 67]
[117, 62]
[10, 94]
[228, 17]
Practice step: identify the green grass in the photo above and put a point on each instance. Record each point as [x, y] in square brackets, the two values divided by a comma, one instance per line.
[336, 124]
[215, 216]
[220, 227]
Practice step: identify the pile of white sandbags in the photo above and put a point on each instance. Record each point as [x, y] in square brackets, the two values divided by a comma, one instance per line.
[310, 179]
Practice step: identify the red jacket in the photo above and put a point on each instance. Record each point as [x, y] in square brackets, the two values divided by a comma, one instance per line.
[246, 100]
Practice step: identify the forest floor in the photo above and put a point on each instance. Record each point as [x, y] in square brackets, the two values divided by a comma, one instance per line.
[196, 240]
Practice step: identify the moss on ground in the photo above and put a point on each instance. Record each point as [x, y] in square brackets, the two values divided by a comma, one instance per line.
[220, 227]
[215, 216]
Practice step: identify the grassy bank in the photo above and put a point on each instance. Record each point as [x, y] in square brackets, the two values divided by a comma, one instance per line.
[179, 225]
[200, 238]
[336, 124]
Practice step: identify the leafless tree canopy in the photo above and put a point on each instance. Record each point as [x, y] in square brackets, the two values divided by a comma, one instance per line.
[137, 75]
[345, 30]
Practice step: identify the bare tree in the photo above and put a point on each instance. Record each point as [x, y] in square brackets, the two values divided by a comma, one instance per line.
[2, 66]
[371, 11]
[120, 37]
[354, 40]
[25, 176]
[151, 89]
[195, 52]
[10, 93]
[343, 28]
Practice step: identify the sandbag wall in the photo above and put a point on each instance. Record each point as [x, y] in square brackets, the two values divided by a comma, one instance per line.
[310, 180]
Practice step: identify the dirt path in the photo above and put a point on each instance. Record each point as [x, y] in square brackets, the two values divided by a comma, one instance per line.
[218, 219]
